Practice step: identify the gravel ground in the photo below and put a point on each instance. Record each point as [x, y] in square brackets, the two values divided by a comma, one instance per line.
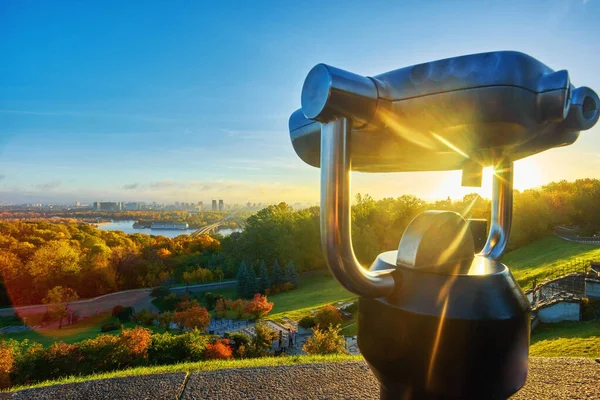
[164, 386]
[549, 378]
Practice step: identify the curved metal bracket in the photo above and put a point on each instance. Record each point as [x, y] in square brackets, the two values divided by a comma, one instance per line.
[336, 238]
[502, 207]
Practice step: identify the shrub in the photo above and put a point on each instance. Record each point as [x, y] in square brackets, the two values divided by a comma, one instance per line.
[144, 317]
[238, 307]
[160, 292]
[287, 286]
[7, 361]
[61, 359]
[170, 349]
[133, 346]
[164, 319]
[258, 307]
[590, 309]
[307, 322]
[327, 316]
[116, 310]
[219, 350]
[170, 302]
[220, 308]
[210, 300]
[111, 326]
[124, 314]
[239, 343]
[325, 341]
[29, 364]
[98, 354]
[262, 342]
[187, 304]
[352, 308]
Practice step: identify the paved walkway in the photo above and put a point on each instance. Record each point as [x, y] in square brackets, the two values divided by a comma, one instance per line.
[549, 378]
[136, 298]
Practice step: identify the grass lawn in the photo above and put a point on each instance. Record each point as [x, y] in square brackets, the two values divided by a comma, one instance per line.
[199, 366]
[313, 293]
[10, 321]
[87, 328]
[566, 339]
[542, 259]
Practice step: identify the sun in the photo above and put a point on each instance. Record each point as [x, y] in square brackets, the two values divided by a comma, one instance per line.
[527, 175]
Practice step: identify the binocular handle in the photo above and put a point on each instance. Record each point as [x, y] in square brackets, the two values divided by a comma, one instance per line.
[502, 207]
[336, 215]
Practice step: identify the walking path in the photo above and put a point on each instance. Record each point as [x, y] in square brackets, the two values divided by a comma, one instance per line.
[549, 378]
[136, 298]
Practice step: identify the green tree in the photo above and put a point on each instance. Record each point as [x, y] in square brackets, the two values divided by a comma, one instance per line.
[291, 275]
[252, 287]
[277, 276]
[264, 281]
[242, 281]
[57, 298]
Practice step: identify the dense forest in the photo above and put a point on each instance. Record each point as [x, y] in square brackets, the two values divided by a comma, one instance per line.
[279, 232]
[38, 255]
[194, 219]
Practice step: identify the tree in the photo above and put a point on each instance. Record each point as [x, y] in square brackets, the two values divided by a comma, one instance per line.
[193, 318]
[188, 277]
[252, 283]
[277, 276]
[328, 316]
[57, 298]
[264, 282]
[258, 307]
[290, 274]
[325, 341]
[242, 281]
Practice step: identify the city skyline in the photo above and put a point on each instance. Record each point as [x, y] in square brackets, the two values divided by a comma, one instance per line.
[149, 102]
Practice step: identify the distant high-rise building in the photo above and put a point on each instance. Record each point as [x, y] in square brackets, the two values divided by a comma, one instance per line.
[78, 203]
[107, 206]
[221, 205]
[132, 206]
[214, 205]
[200, 206]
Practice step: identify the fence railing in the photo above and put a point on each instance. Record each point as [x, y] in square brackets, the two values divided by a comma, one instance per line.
[569, 281]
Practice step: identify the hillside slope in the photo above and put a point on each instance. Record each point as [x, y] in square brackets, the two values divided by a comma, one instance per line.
[544, 259]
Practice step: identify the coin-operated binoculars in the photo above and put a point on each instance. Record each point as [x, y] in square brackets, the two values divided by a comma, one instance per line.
[435, 319]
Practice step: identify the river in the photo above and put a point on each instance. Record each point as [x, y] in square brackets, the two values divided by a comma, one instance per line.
[127, 227]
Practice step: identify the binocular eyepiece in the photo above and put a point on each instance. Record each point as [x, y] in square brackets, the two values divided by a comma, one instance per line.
[435, 319]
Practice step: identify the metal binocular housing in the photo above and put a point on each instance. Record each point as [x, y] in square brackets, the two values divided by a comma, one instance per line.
[435, 319]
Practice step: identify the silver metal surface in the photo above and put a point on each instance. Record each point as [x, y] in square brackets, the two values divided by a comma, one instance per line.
[445, 114]
[330, 92]
[439, 241]
[502, 207]
[336, 239]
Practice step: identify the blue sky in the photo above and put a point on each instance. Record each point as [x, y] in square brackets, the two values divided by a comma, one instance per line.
[189, 101]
